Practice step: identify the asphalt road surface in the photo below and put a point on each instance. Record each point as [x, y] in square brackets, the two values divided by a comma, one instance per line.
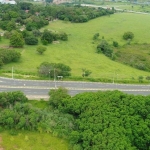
[39, 89]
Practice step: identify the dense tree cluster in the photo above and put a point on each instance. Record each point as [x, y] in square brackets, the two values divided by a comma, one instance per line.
[16, 113]
[9, 99]
[8, 55]
[53, 69]
[109, 120]
[37, 16]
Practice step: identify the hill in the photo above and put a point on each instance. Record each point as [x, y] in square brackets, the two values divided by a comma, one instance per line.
[80, 50]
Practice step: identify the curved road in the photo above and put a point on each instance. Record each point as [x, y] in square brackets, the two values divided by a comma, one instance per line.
[39, 89]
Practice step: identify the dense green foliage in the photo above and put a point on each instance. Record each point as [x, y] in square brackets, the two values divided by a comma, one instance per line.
[109, 120]
[128, 36]
[81, 14]
[41, 49]
[9, 99]
[16, 39]
[8, 55]
[104, 48]
[102, 120]
[36, 17]
[54, 69]
[16, 114]
[57, 95]
[31, 40]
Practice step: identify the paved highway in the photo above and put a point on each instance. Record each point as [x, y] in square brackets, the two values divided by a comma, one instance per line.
[40, 89]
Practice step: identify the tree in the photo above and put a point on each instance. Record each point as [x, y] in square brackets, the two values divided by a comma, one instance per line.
[11, 26]
[128, 35]
[41, 49]
[57, 95]
[8, 99]
[31, 26]
[16, 39]
[58, 69]
[8, 55]
[47, 36]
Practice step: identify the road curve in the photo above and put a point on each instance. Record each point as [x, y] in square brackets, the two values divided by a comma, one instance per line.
[38, 89]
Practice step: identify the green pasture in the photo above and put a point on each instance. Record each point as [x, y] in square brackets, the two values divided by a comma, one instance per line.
[26, 140]
[80, 50]
[124, 5]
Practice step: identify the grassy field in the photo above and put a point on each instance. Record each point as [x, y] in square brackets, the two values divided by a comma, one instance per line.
[122, 5]
[80, 50]
[25, 140]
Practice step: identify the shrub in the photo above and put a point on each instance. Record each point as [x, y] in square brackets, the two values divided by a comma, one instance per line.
[115, 44]
[128, 35]
[96, 35]
[31, 40]
[104, 48]
[41, 49]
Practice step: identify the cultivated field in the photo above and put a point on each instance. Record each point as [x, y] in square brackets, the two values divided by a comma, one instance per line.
[80, 50]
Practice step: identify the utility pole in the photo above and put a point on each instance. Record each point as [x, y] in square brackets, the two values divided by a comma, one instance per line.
[12, 73]
[49, 78]
[54, 78]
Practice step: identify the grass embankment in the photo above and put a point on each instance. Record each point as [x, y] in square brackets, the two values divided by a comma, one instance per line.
[25, 140]
[80, 50]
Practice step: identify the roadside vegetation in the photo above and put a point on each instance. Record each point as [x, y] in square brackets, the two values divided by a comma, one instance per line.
[101, 120]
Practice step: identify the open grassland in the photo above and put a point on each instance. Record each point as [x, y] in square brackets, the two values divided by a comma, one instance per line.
[140, 7]
[80, 50]
[25, 140]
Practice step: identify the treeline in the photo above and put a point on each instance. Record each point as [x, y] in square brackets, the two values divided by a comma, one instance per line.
[109, 120]
[81, 14]
[37, 16]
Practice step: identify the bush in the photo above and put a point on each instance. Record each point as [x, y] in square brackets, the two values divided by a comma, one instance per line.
[128, 35]
[8, 56]
[41, 49]
[115, 44]
[63, 37]
[31, 40]
[96, 35]
[104, 48]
